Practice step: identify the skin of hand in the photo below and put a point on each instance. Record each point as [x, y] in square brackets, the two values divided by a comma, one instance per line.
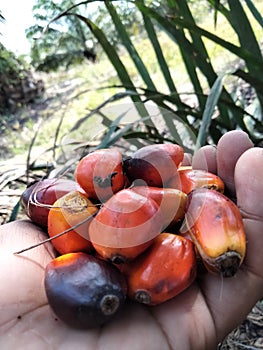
[198, 318]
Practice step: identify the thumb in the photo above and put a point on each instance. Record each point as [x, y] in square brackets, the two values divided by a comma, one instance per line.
[249, 191]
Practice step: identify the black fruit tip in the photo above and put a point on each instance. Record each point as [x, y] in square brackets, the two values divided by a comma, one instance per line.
[228, 263]
[118, 259]
[142, 296]
[109, 304]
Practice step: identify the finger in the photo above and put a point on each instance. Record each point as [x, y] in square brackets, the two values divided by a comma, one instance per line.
[205, 159]
[231, 299]
[229, 148]
[21, 276]
[187, 159]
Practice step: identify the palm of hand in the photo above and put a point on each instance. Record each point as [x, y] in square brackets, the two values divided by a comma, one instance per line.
[27, 319]
[196, 319]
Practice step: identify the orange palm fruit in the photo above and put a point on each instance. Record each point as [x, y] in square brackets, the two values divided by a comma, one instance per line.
[171, 202]
[100, 173]
[125, 226]
[72, 212]
[187, 179]
[163, 271]
[154, 164]
[216, 227]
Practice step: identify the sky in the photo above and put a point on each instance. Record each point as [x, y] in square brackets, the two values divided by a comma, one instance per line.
[18, 17]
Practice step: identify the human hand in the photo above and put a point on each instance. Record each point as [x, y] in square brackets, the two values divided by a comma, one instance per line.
[198, 318]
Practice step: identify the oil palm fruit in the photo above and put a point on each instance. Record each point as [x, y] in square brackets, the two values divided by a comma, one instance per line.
[216, 227]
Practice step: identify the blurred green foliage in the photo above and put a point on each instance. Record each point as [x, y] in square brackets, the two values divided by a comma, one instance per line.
[217, 109]
[68, 41]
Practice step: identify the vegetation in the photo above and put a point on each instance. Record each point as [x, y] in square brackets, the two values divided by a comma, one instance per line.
[17, 84]
[184, 80]
[68, 41]
[216, 107]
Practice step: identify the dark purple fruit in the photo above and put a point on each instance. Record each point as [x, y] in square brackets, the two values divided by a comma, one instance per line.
[84, 291]
[38, 197]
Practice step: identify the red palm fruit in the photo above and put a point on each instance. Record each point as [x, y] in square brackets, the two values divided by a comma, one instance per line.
[37, 198]
[125, 226]
[100, 173]
[216, 227]
[187, 179]
[73, 213]
[154, 164]
[171, 202]
[163, 271]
